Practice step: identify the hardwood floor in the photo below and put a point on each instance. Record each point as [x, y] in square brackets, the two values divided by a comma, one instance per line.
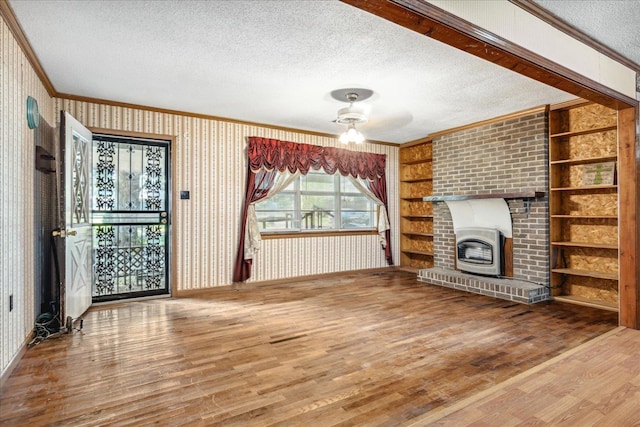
[596, 384]
[359, 349]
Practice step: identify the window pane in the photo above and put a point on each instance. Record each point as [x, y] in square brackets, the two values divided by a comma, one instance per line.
[357, 219]
[346, 186]
[281, 201]
[277, 213]
[317, 211]
[357, 212]
[275, 220]
[311, 203]
[317, 181]
[356, 203]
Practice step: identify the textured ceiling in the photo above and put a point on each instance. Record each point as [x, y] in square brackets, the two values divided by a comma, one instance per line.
[613, 23]
[270, 62]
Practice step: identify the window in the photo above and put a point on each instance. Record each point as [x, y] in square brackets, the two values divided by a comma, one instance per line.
[317, 201]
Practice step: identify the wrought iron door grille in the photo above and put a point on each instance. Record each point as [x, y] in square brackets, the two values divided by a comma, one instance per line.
[130, 218]
[129, 258]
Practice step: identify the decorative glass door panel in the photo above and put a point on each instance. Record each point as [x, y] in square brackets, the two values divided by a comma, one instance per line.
[130, 218]
[75, 292]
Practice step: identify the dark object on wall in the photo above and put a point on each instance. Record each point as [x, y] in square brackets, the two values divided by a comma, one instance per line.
[44, 160]
[46, 284]
[184, 195]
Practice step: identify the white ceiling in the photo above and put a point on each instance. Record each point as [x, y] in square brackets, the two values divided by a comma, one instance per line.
[271, 62]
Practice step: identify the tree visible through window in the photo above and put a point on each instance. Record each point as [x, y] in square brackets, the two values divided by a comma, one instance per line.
[317, 201]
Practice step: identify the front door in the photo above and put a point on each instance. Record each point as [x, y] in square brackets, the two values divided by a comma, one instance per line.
[76, 290]
[130, 217]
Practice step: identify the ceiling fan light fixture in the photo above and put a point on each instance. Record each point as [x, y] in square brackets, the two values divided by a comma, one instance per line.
[351, 115]
[351, 135]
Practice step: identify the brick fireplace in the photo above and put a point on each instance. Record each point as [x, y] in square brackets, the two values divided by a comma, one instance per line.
[507, 157]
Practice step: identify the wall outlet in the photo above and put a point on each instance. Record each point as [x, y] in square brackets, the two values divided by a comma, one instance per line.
[10, 302]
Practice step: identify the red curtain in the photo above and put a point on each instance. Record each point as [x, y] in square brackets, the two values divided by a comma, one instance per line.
[269, 156]
[379, 188]
[282, 155]
[258, 186]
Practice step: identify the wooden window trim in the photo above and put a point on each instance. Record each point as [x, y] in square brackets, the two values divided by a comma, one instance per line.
[301, 234]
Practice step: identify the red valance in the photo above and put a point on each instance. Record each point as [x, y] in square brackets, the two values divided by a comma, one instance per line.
[282, 155]
[266, 156]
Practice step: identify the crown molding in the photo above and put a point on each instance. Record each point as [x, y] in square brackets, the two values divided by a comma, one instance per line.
[497, 119]
[424, 140]
[71, 97]
[574, 103]
[516, 114]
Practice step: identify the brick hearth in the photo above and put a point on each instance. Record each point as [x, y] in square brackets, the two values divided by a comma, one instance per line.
[507, 289]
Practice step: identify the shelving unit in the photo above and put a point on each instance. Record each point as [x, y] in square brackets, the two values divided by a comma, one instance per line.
[416, 215]
[583, 212]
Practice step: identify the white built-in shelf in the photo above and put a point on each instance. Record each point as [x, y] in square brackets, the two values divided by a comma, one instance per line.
[584, 161]
[586, 245]
[584, 132]
[585, 273]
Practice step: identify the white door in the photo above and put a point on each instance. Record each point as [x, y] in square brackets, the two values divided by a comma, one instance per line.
[76, 291]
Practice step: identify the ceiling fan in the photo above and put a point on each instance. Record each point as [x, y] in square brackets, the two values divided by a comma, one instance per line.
[353, 114]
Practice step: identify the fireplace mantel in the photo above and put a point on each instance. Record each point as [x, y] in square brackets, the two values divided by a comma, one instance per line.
[523, 195]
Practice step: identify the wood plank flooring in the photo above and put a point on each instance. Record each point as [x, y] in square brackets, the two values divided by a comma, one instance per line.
[359, 349]
[596, 384]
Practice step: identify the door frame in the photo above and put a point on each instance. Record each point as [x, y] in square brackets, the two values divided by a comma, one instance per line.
[171, 230]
